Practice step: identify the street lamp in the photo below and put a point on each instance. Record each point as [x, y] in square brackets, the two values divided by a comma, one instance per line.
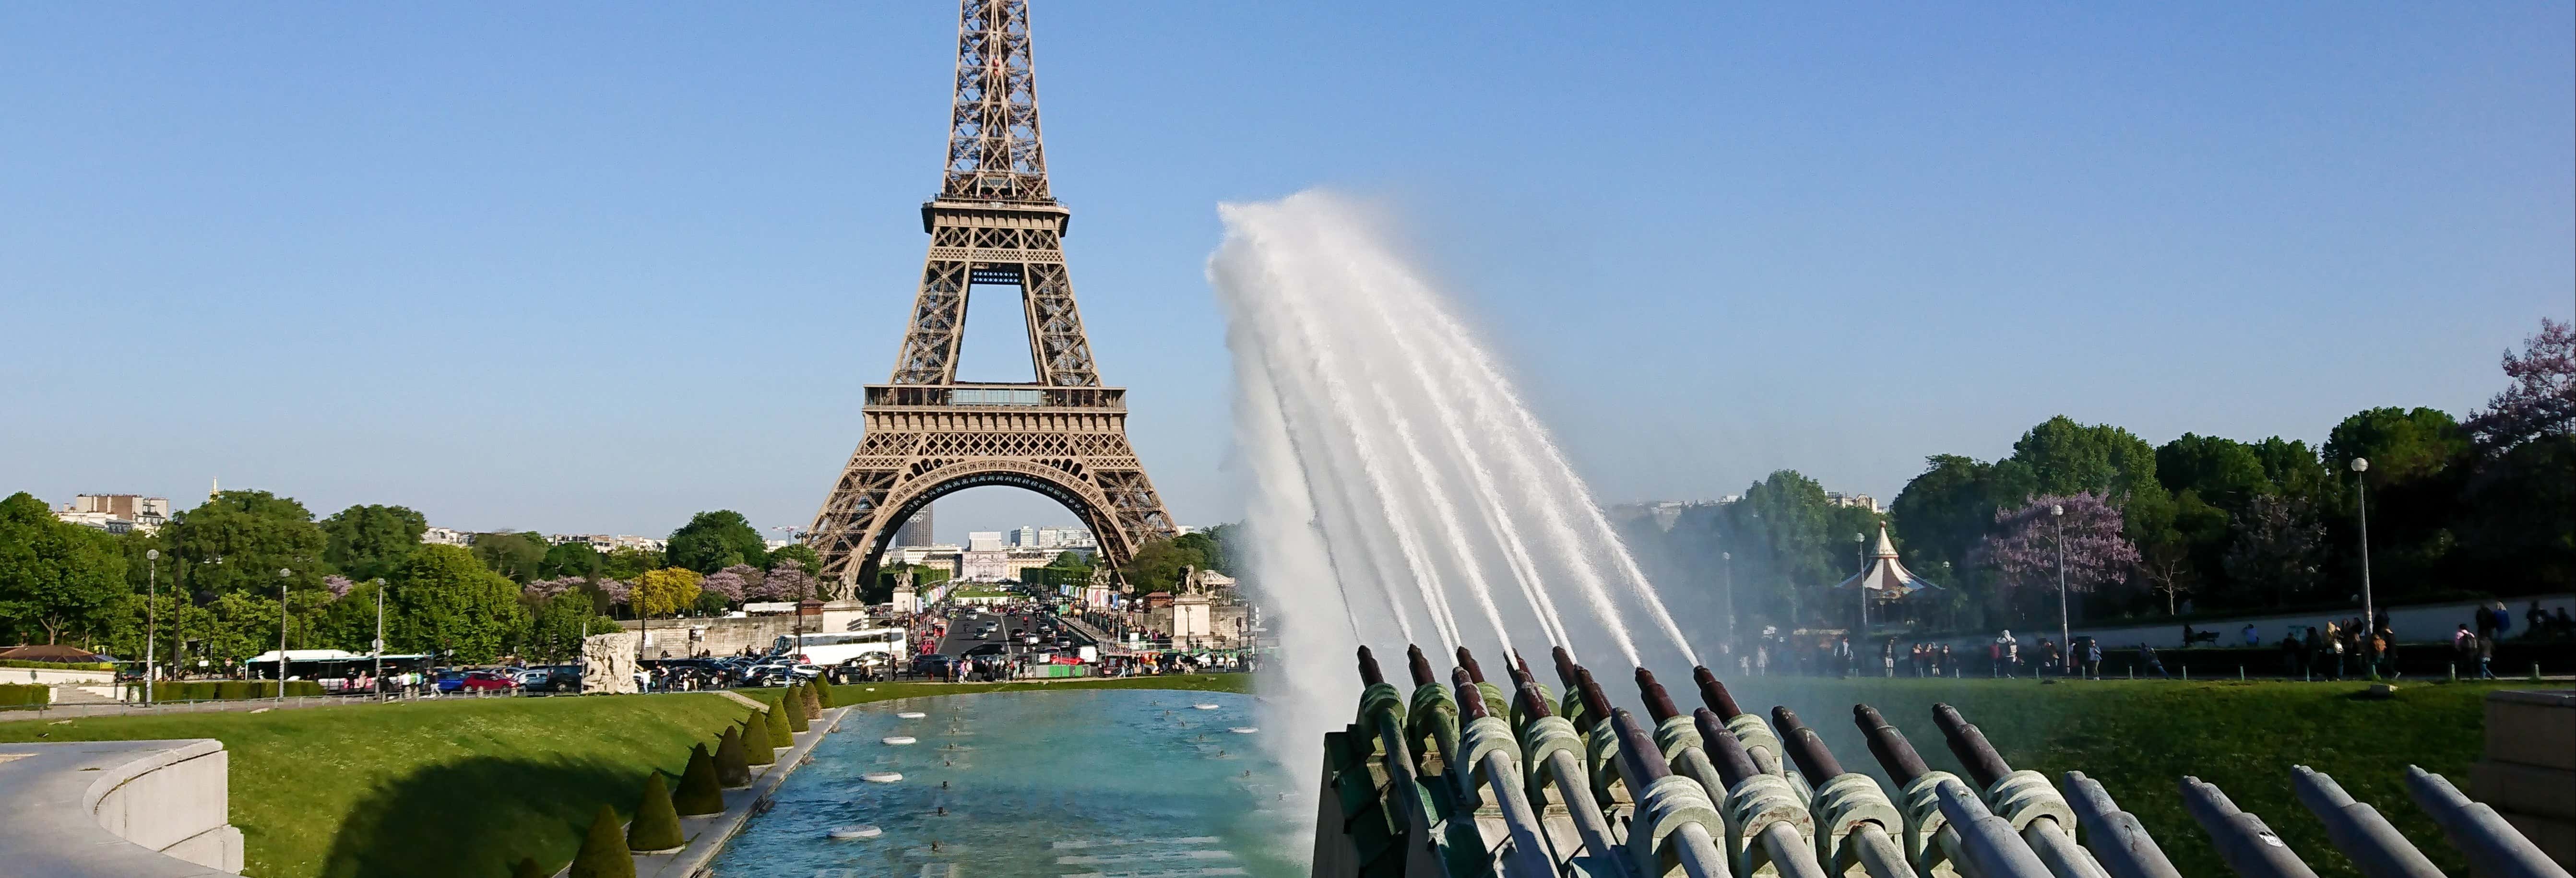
[1861, 586]
[2361, 496]
[379, 676]
[2058, 513]
[151, 614]
[282, 574]
[1726, 563]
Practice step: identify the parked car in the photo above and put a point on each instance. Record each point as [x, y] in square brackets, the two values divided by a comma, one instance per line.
[449, 681]
[487, 681]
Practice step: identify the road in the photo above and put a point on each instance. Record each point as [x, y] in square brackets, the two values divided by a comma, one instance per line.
[961, 638]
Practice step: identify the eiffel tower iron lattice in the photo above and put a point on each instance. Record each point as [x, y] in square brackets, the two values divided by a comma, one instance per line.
[1064, 435]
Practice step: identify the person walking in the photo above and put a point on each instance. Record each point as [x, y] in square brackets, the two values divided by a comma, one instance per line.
[1942, 662]
[2252, 637]
[2147, 657]
[2486, 655]
[2092, 658]
[2012, 656]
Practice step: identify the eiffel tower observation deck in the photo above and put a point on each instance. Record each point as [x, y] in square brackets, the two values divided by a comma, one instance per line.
[994, 223]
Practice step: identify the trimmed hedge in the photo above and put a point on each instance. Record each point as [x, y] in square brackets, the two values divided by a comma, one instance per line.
[699, 793]
[657, 825]
[59, 666]
[823, 693]
[792, 704]
[813, 703]
[776, 719]
[232, 689]
[603, 849]
[755, 741]
[733, 769]
[16, 695]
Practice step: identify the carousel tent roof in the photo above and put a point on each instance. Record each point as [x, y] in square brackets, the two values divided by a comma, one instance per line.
[1886, 575]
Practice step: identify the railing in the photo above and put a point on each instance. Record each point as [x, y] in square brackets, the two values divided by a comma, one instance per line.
[951, 396]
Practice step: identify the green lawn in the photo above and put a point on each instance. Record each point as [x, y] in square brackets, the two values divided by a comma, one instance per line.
[464, 787]
[2140, 738]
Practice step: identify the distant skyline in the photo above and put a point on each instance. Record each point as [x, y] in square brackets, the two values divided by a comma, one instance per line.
[592, 268]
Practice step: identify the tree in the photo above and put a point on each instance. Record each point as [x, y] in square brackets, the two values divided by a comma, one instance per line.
[560, 622]
[699, 793]
[570, 558]
[55, 576]
[446, 602]
[665, 591]
[2024, 551]
[2065, 457]
[2280, 549]
[240, 539]
[1157, 565]
[519, 556]
[2541, 401]
[713, 541]
[800, 553]
[733, 768]
[603, 849]
[628, 563]
[787, 580]
[2223, 472]
[735, 583]
[365, 542]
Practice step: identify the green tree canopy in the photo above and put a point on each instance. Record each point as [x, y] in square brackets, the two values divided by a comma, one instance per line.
[365, 542]
[2065, 457]
[713, 541]
[2402, 444]
[240, 539]
[55, 577]
[800, 553]
[628, 563]
[443, 600]
[519, 556]
[1157, 565]
[570, 558]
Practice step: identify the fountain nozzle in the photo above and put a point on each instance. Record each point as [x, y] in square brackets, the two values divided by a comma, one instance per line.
[1714, 694]
[1565, 666]
[1468, 661]
[1369, 674]
[1421, 667]
[1659, 704]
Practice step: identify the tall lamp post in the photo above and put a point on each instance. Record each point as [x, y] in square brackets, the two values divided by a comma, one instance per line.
[1734, 631]
[2361, 495]
[1860, 549]
[282, 578]
[379, 675]
[2057, 512]
[151, 614]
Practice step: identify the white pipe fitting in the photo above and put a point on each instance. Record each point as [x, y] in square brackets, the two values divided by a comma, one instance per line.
[1541, 737]
[1665, 806]
[1760, 743]
[1755, 805]
[1841, 807]
[2024, 796]
[1483, 736]
[1921, 802]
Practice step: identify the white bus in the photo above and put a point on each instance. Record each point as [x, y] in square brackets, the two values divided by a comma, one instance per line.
[832, 648]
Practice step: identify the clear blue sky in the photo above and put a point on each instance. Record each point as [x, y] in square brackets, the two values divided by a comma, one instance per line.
[592, 267]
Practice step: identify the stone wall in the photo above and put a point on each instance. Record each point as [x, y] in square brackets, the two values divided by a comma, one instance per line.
[722, 637]
[128, 809]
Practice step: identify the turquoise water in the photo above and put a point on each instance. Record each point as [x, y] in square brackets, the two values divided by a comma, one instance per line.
[1099, 783]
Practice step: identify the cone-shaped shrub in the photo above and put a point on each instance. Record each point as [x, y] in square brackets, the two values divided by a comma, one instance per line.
[698, 792]
[791, 704]
[824, 694]
[603, 854]
[755, 741]
[813, 701]
[527, 868]
[733, 770]
[657, 825]
[779, 735]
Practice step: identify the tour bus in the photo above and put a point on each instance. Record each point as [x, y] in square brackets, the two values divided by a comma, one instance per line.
[832, 648]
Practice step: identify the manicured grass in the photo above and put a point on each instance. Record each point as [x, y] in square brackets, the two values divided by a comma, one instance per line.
[466, 787]
[2139, 738]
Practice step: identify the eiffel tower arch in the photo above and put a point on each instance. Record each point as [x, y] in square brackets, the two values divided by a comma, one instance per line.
[993, 223]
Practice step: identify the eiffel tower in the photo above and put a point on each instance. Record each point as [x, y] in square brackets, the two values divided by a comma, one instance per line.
[928, 435]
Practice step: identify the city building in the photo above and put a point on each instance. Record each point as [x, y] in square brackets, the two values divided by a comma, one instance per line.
[446, 536]
[1854, 501]
[1026, 537]
[915, 530]
[984, 541]
[1065, 538]
[117, 513]
[606, 543]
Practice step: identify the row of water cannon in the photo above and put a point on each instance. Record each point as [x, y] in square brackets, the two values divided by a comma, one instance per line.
[1481, 777]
